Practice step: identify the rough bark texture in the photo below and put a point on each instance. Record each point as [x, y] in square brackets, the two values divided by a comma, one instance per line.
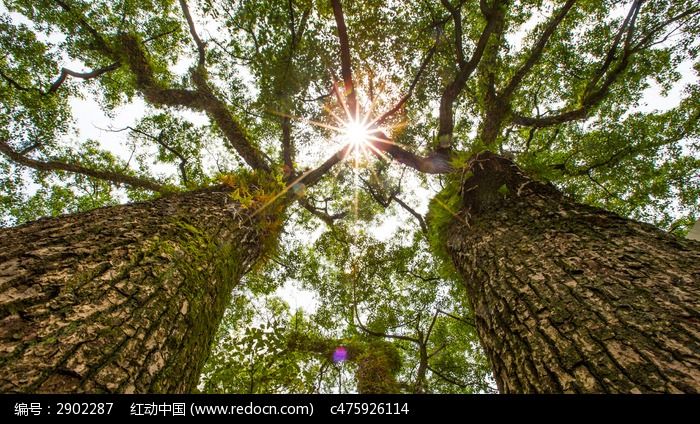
[569, 298]
[120, 299]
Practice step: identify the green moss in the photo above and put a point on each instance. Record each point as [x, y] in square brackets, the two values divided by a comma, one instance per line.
[442, 213]
[377, 367]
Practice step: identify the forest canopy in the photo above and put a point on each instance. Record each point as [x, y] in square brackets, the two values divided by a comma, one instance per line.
[361, 115]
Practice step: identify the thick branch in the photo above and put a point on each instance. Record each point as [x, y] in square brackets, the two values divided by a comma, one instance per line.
[345, 60]
[435, 163]
[203, 99]
[494, 19]
[419, 386]
[314, 176]
[54, 165]
[287, 148]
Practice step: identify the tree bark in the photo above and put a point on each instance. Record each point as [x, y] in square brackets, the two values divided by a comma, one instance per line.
[570, 298]
[120, 299]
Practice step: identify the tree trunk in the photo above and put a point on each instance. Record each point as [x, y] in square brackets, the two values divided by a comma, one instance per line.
[570, 298]
[120, 299]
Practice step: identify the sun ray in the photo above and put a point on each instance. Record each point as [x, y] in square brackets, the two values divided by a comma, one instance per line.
[338, 119]
[322, 125]
[309, 121]
[368, 115]
[340, 99]
[357, 110]
[356, 195]
[381, 154]
[384, 140]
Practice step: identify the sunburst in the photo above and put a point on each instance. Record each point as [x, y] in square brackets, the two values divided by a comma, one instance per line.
[360, 132]
[357, 133]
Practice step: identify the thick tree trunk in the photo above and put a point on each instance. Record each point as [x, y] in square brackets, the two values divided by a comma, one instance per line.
[569, 298]
[120, 299]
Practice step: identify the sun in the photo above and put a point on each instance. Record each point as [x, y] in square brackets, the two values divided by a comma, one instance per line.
[356, 133]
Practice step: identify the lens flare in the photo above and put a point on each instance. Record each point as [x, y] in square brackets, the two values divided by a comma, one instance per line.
[340, 354]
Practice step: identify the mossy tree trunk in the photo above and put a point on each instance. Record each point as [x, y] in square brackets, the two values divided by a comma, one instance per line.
[570, 298]
[377, 361]
[121, 299]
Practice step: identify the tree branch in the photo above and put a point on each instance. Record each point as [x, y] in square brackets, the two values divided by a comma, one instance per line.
[592, 96]
[460, 319]
[424, 64]
[202, 99]
[422, 277]
[494, 19]
[345, 59]
[193, 31]
[287, 148]
[644, 42]
[537, 50]
[430, 328]
[376, 196]
[83, 23]
[419, 217]
[12, 82]
[154, 92]
[53, 165]
[437, 162]
[384, 335]
[456, 13]
[65, 73]
[183, 160]
[610, 56]
[323, 216]
[159, 140]
[386, 202]
[82, 75]
[312, 177]
[448, 379]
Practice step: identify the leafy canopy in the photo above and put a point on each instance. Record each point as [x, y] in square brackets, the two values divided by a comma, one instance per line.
[103, 102]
